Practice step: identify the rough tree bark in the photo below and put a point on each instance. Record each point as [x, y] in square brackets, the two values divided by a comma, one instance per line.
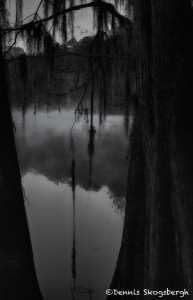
[163, 114]
[17, 273]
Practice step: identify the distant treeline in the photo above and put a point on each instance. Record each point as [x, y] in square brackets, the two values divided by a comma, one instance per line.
[68, 73]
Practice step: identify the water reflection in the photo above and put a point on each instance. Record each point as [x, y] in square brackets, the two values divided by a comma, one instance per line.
[75, 191]
[45, 148]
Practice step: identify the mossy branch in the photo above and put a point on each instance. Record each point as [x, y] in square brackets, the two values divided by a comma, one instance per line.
[124, 21]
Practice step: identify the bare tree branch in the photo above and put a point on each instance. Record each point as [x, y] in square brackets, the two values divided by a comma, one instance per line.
[38, 7]
[94, 55]
[15, 41]
[83, 95]
[72, 90]
[107, 6]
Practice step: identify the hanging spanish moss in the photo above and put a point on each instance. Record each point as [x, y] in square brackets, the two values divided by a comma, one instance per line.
[46, 10]
[57, 6]
[98, 17]
[41, 41]
[46, 4]
[48, 45]
[71, 18]
[49, 50]
[19, 10]
[74, 225]
[34, 38]
[127, 98]
[113, 23]
[63, 22]
[34, 97]
[102, 19]
[4, 22]
[3, 13]
[24, 104]
[64, 34]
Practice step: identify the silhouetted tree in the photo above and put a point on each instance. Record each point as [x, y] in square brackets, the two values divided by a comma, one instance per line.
[17, 276]
[156, 247]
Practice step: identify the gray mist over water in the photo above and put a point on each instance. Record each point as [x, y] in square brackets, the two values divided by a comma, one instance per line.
[45, 157]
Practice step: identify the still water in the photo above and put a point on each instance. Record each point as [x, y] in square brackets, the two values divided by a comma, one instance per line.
[76, 229]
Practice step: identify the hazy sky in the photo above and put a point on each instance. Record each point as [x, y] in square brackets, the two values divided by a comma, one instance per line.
[83, 18]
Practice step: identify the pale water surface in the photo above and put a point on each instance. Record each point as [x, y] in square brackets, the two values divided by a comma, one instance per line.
[93, 226]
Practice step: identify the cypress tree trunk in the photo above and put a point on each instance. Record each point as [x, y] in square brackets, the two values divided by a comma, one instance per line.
[17, 273]
[170, 28]
[129, 271]
[163, 115]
